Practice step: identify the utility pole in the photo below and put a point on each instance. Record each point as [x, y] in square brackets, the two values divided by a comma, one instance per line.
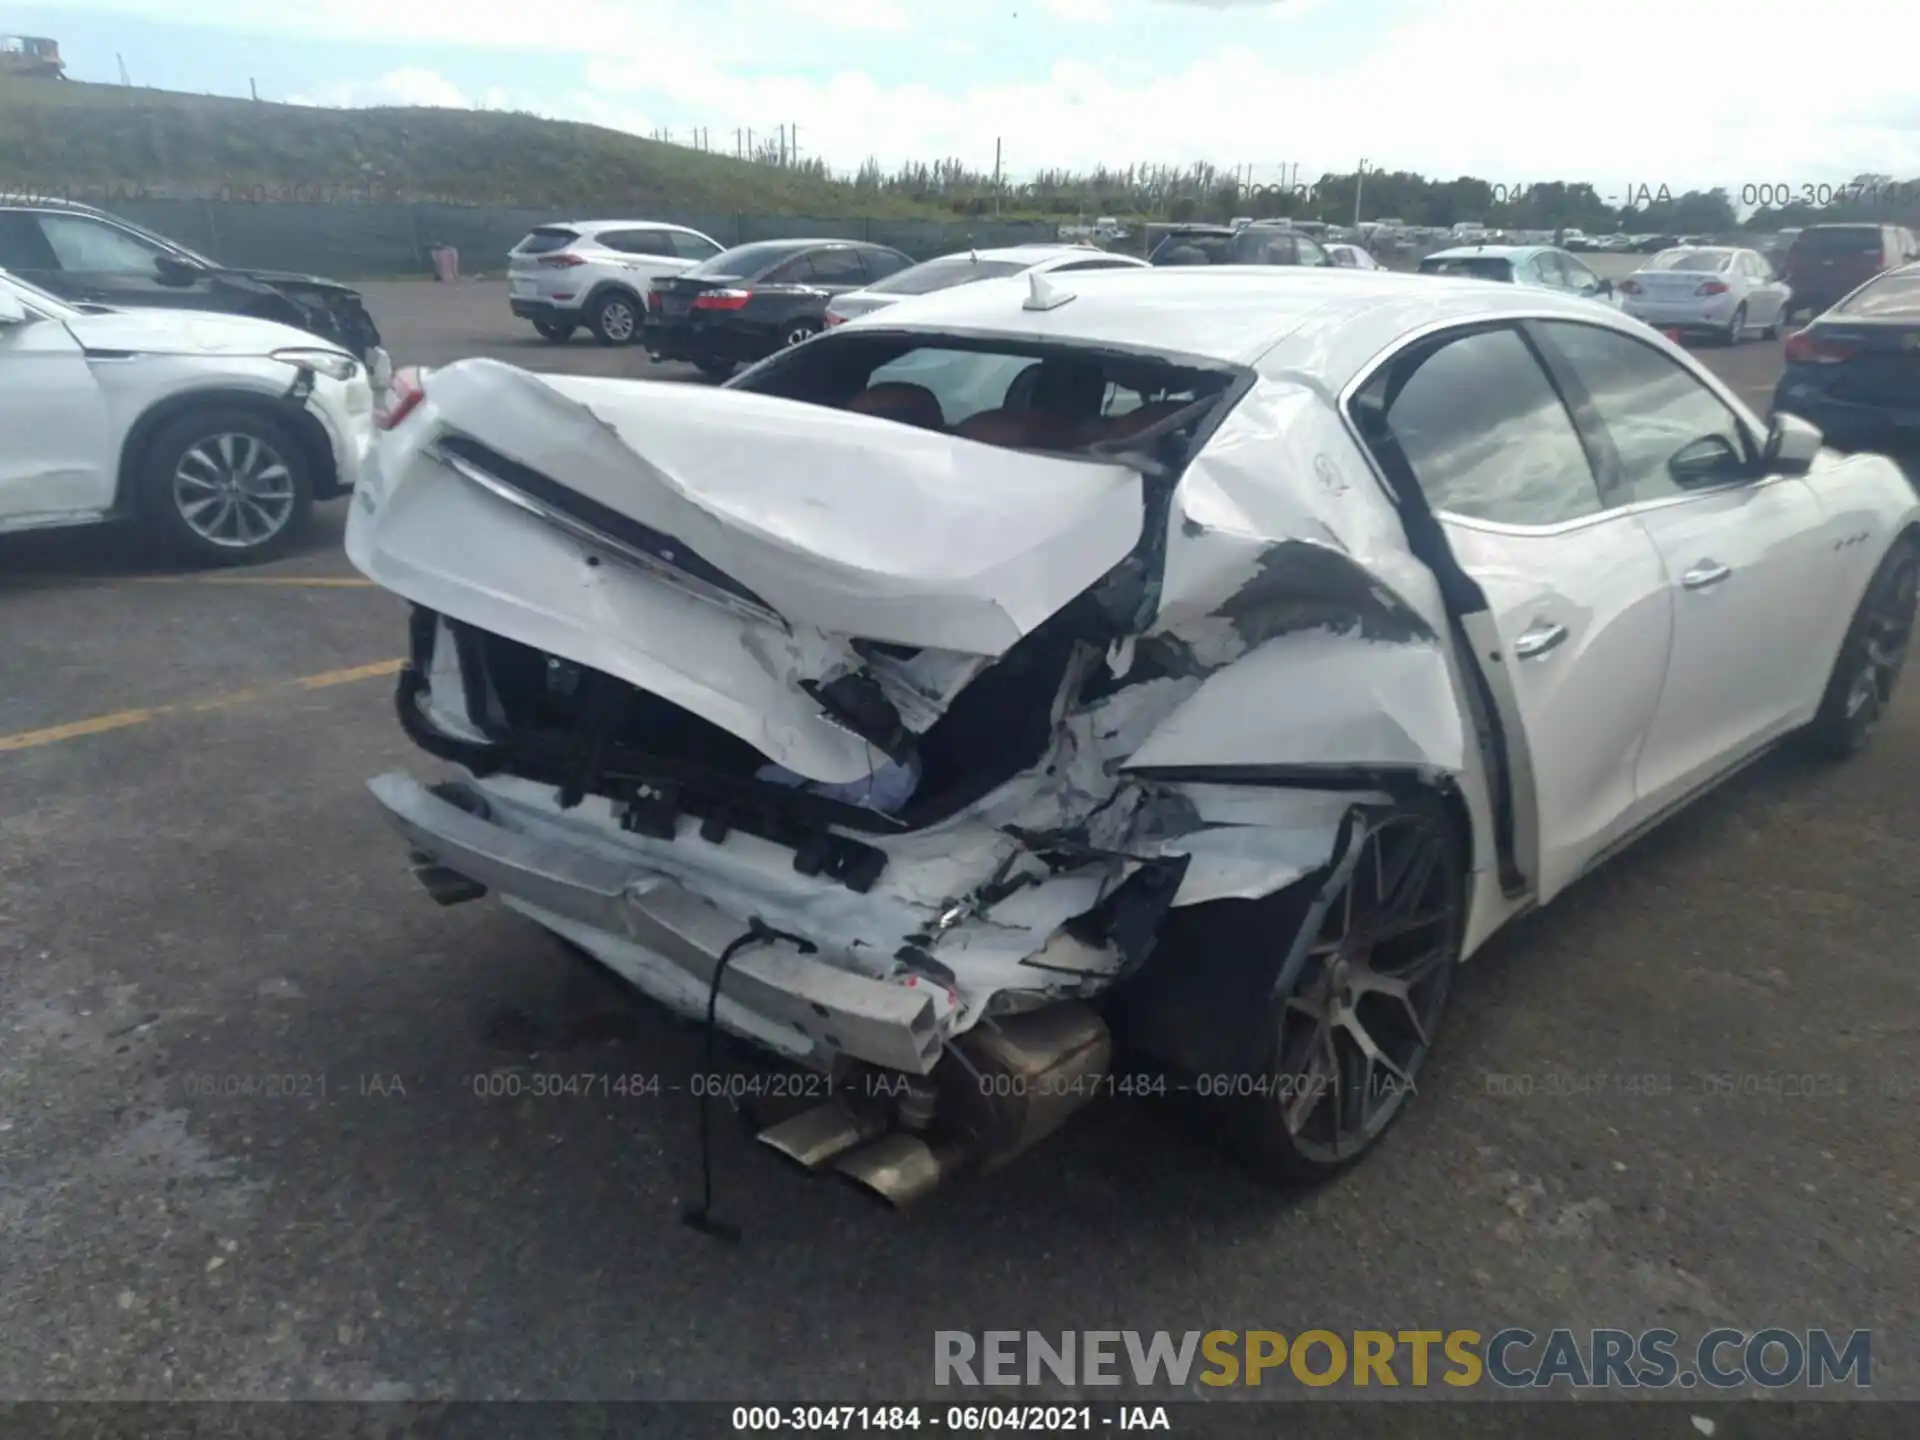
[996, 176]
[752, 154]
[795, 129]
[250, 82]
[783, 144]
[1359, 180]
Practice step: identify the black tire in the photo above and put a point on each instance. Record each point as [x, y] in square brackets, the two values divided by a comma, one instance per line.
[1779, 326]
[558, 333]
[1409, 863]
[797, 332]
[1737, 326]
[1870, 660]
[615, 318]
[267, 489]
[716, 370]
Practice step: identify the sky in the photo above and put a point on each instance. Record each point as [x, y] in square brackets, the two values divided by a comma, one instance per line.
[1622, 94]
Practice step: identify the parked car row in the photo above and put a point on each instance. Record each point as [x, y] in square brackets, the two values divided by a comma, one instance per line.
[1063, 675]
[145, 383]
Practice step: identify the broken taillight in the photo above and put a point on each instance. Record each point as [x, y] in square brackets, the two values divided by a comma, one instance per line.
[1631, 287]
[408, 390]
[722, 300]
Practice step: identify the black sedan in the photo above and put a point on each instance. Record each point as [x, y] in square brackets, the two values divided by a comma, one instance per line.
[88, 257]
[753, 300]
[1855, 371]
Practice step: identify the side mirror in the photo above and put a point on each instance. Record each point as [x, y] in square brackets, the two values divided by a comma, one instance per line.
[1710, 460]
[1792, 446]
[12, 312]
[172, 270]
[1606, 288]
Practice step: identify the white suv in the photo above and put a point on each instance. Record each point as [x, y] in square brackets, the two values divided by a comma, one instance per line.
[214, 432]
[597, 273]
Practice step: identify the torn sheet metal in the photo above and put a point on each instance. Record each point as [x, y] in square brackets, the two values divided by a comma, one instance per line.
[1287, 630]
[840, 521]
[1319, 698]
[843, 523]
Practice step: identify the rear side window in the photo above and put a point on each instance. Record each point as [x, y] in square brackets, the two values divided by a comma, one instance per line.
[837, 267]
[1486, 436]
[547, 240]
[885, 262]
[1479, 267]
[22, 246]
[689, 246]
[1836, 240]
[1893, 295]
[638, 242]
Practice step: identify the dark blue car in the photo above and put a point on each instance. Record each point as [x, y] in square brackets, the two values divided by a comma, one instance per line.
[1855, 370]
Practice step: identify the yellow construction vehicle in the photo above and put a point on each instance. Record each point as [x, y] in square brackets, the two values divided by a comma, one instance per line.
[31, 57]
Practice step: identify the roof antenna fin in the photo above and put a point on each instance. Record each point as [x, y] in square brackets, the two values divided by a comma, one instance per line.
[1042, 296]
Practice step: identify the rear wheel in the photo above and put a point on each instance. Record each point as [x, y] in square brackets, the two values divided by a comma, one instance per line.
[1349, 1038]
[554, 331]
[224, 486]
[615, 319]
[1779, 326]
[1737, 326]
[1870, 660]
[801, 330]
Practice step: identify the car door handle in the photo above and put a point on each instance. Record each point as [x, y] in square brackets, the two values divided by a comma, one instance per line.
[1540, 637]
[1707, 572]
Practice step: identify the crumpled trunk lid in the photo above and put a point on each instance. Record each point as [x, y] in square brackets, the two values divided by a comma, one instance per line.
[725, 550]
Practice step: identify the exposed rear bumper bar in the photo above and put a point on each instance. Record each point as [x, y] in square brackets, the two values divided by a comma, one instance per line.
[878, 1021]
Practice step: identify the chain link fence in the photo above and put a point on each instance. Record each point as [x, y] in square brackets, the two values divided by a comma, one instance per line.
[376, 239]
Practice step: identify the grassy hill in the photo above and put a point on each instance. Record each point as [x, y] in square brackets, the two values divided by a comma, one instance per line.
[71, 138]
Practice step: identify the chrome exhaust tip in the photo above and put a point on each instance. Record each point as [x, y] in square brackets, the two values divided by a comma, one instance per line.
[815, 1138]
[902, 1168]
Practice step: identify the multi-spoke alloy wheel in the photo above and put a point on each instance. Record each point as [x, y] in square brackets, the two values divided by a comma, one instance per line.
[234, 490]
[1358, 1023]
[223, 485]
[1871, 658]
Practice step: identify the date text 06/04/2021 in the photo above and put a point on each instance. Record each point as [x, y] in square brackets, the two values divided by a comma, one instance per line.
[953, 1419]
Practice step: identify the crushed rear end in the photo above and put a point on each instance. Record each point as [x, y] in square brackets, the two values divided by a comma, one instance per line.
[867, 741]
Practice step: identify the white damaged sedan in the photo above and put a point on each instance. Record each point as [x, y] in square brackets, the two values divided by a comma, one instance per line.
[1042, 682]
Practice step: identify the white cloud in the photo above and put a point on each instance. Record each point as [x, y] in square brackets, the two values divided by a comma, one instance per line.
[407, 86]
[1092, 12]
[881, 15]
[1445, 87]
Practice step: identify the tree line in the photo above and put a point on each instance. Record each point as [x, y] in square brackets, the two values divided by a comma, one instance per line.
[1210, 192]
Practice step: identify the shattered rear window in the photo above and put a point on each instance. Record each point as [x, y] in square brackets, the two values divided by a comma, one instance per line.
[1038, 397]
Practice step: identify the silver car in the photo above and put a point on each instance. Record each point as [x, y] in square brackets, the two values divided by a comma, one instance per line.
[597, 273]
[970, 265]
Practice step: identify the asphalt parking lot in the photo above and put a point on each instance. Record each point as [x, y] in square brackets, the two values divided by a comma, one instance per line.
[242, 1151]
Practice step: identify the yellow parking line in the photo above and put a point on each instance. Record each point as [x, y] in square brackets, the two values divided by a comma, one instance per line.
[124, 719]
[324, 582]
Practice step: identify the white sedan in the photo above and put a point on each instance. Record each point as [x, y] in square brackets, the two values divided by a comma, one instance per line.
[1716, 290]
[1352, 257]
[968, 266]
[1264, 648]
[214, 432]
